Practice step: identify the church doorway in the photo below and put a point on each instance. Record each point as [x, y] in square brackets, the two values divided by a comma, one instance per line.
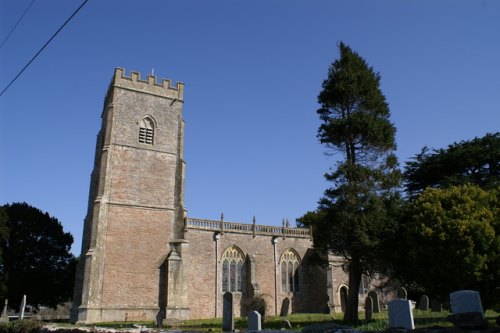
[343, 298]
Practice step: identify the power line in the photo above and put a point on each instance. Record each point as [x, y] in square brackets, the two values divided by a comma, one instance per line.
[17, 23]
[43, 47]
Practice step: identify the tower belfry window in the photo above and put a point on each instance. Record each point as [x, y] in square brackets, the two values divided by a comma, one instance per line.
[146, 131]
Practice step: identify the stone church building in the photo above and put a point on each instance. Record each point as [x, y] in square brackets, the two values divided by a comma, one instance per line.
[144, 258]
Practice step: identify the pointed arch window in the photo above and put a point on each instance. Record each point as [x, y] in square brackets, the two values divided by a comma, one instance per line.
[290, 262]
[232, 269]
[146, 131]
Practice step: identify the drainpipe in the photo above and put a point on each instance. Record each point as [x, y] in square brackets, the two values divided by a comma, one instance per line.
[216, 290]
[274, 241]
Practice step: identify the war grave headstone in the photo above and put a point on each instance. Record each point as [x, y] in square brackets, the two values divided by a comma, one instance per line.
[368, 308]
[254, 321]
[400, 314]
[467, 310]
[375, 301]
[423, 304]
[228, 313]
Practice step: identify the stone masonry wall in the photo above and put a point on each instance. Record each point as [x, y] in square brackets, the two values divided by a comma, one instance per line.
[205, 287]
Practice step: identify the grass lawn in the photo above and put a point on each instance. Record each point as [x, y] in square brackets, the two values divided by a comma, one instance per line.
[320, 322]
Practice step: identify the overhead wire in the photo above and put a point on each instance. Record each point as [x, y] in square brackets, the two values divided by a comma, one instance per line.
[43, 47]
[17, 23]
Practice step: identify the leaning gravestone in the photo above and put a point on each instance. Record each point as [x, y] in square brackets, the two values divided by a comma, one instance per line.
[368, 308]
[467, 310]
[227, 313]
[254, 323]
[402, 293]
[400, 314]
[424, 303]
[4, 317]
[22, 307]
[375, 301]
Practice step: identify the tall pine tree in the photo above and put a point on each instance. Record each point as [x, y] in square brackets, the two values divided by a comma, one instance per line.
[357, 209]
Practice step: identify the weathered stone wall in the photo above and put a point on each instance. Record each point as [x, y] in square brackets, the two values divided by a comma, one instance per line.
[135, 202]
[205, 285]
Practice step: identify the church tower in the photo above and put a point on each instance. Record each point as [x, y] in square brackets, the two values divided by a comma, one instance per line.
[135, 219]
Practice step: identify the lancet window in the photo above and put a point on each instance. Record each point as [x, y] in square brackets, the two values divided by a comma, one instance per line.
[232, 269]
[146, 131]
[289, 263]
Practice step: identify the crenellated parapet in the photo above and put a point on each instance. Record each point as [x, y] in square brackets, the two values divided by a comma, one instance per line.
[149, 86]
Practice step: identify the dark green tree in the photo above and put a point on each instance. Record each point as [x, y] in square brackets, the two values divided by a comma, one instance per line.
[476, 161]
[451, 241]
[4, 234]
[37, 258]
[358, 209]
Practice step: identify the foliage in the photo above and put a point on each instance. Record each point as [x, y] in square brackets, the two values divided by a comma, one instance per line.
[476, 161]
[451, 241]
[256, 303]
[21, 326]
[4, 234]
[37, 257]
[355, 214]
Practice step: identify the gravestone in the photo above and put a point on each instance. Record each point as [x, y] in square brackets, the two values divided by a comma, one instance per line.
[424, 303]
[4, 317]
[285, 307]
[254, 322]
[400, 314]
[402, 293]
[22, 307]
[467, 310]
[227, 313]
[436, 305]
[465, 301]
[368, 308]
[375, 301]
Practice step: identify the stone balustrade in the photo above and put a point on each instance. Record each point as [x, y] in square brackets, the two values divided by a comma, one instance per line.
[244, 228]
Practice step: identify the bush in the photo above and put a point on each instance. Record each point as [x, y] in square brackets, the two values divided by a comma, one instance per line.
[21, 326]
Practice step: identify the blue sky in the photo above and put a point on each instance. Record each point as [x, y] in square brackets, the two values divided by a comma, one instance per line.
[252, 70]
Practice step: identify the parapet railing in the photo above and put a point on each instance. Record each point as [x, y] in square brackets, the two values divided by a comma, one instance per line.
[244, 228]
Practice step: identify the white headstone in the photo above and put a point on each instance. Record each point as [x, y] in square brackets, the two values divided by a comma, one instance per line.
[463, 301]
[21, 308]
[400, 314]
[254, 323]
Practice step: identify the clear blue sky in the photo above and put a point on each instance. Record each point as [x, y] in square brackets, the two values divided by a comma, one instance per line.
[252, 70]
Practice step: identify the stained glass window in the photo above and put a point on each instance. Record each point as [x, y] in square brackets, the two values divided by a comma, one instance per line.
[233, 270]
[290, 263]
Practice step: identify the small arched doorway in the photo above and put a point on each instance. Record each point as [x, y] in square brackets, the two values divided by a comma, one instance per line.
[343, 298]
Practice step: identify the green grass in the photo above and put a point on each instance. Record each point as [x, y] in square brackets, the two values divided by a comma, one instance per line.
[311, 322]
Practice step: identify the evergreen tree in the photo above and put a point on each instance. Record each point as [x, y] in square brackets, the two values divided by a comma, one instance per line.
[37, 258]
[476, 161]
[357, 209]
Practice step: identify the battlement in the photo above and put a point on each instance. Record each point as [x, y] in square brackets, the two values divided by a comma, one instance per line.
[149, 86]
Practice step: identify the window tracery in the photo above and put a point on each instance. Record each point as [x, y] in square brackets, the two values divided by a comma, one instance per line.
[232, 269]
[290, 262]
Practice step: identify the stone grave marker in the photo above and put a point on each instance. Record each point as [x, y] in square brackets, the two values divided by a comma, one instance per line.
[4, 317]
[402, 293]
[400, 314]
[465, 301]
[254, 322]
[22, 307]
[467, 310]
[424, 303]
[227, 312]
[375, 301]
[368, 308]
[285, 307]
[436, 305]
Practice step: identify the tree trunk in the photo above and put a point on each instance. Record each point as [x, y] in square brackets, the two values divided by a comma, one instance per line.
[351, 310]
